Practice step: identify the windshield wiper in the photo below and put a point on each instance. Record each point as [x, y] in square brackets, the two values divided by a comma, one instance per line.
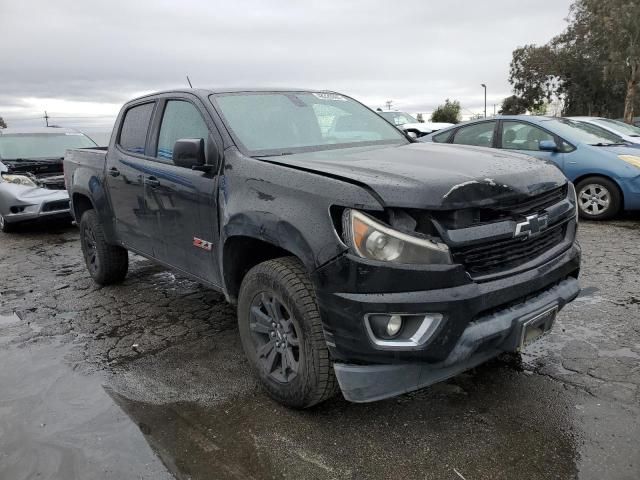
[601, 144]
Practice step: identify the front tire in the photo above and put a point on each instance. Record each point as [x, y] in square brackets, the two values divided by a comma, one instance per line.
[5, 227]
[598, 198]
[282, 335]
[107, 264]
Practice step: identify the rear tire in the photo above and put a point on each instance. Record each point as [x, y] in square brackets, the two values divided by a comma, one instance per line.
[282, 335]
[598, 198]
[107, 264]
[5, 226]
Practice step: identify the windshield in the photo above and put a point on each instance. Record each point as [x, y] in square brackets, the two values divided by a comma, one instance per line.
[398, 118]
[40, 145]
[619, 127]
[279, 123]
[581, 132]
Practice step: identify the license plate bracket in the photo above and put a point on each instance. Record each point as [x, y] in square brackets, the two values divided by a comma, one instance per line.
[537, 327]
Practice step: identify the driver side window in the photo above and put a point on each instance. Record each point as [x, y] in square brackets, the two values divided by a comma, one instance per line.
[180, 120]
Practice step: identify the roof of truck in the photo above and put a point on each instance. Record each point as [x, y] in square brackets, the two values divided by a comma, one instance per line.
[209, 91]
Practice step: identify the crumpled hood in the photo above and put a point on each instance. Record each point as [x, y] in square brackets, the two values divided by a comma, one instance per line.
[434, 176]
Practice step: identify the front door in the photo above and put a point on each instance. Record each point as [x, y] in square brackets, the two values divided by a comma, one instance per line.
[124, 179]
[524, 137]
[184, 200]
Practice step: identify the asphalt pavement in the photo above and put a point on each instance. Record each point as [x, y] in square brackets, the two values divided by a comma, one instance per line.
[147, 380]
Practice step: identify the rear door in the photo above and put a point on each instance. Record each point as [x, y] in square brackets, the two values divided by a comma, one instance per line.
[525, 137]
[124, 177]
[184, 199]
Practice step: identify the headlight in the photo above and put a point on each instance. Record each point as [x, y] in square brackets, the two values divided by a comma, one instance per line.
[373, 240]
[631, 159]
[18, 180]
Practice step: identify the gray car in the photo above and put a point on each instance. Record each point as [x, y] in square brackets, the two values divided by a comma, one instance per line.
[31, 175]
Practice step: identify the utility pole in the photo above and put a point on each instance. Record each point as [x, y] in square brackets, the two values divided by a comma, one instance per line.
[46, 118]
[388, 103]
[494, 109]
[485, 99]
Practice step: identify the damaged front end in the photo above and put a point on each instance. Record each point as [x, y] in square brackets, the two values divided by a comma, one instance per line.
[32, 190]
[424, 294]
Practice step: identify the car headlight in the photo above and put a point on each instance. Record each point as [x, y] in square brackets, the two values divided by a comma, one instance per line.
[373, 240]
[18, 180]
[631, 159]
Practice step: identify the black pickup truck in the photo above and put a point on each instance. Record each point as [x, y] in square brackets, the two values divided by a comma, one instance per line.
[356, 257]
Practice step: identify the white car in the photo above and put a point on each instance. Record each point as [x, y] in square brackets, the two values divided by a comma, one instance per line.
[408, 123]
[630, 133]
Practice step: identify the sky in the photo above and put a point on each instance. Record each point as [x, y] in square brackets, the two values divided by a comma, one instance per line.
[80, 60]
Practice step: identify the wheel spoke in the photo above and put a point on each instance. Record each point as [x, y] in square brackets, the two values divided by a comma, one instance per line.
[262, 319]
[270, 361]
[266, 348]
[269, 306]
[293, 363]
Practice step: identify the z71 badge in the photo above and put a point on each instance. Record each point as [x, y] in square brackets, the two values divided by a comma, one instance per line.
[198, 242]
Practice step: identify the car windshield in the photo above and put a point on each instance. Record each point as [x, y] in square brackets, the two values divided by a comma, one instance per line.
[619, 127]
[27, 146]
[398, 118]
[582, 132]
[280, 123]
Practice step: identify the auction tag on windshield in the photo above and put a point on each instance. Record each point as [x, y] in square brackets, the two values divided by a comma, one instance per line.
[329, 96]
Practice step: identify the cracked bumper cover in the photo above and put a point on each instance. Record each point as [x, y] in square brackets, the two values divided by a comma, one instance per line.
[367, 383]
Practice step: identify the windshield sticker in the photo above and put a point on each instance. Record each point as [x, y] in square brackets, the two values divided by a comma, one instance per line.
[329, 96]
[72, 133]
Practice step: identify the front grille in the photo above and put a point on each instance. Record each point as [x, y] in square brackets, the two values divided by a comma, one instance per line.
[497, 256]
[536, 203]
[54, 206]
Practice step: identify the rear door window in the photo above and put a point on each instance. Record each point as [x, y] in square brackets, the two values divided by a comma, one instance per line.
[478, 134]
[181, 120]
[441, 137]
[133, 135]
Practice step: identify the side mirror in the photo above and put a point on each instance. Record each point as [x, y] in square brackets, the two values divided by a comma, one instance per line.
[189, 152]
[411, 134]
[548, 146]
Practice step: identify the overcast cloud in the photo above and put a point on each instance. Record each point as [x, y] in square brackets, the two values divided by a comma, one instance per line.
[85, 58]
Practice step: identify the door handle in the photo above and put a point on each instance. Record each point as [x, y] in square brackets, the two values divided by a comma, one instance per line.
[114, 172]
[152, 181]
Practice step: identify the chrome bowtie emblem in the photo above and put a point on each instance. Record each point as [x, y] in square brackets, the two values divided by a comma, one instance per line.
[532, 226]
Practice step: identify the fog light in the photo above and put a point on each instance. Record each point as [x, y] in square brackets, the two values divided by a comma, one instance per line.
[394, 325]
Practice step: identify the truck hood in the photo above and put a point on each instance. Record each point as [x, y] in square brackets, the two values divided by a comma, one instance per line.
[433, 176]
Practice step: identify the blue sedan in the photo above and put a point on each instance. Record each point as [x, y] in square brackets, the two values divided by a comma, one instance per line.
[604, 168]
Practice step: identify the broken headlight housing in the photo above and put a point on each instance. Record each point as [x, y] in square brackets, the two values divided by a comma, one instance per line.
[18, 180]
[373, 240]
[573, 198]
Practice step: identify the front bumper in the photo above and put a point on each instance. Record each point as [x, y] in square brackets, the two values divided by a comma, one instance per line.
[483, 339]
[22, 204]
[479, 319]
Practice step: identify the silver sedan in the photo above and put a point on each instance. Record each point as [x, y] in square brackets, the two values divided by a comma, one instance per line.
[31, 175]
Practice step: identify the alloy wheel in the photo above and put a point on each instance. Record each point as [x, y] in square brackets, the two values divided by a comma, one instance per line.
[91, 249]
[275, 337]
[594, 199]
